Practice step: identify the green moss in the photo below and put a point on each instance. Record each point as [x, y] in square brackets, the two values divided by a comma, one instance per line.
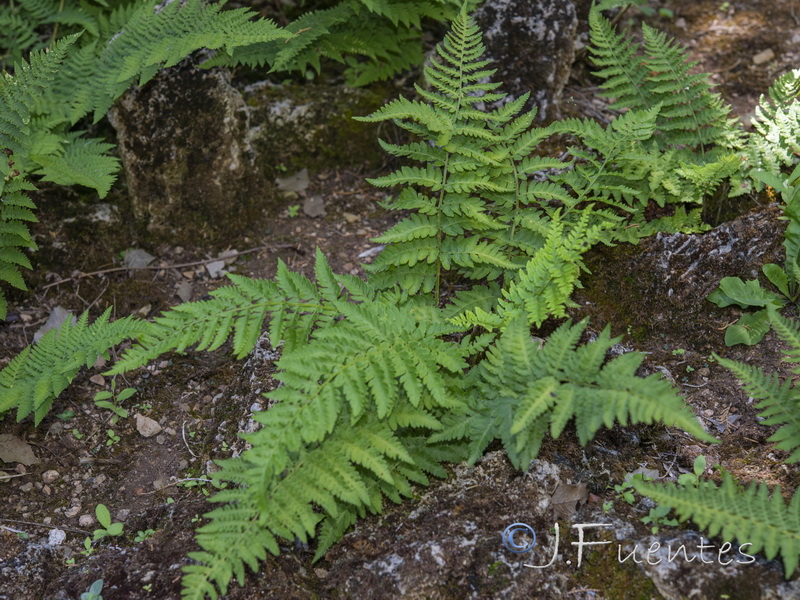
[602, 571]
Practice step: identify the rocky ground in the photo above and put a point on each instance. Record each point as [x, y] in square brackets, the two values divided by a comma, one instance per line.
[151, 468]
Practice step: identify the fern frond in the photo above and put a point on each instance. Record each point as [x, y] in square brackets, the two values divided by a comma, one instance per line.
[779, 400]
[345, 474]
[469, 157]
[237, 311]
[752, 517]
[660, 75]
[544, 285]
[20, 92]
[777, 123]
[153, 39]
[524, 389]
[34, 378]
[82, 161]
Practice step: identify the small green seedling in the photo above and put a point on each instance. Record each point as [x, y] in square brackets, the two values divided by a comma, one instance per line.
[698, 468]
[104, 518]
[144, 535]
[657, 518]
[293, 210]
[110, 400]
[94, 591]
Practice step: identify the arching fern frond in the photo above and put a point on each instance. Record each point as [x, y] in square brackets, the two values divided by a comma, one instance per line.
[238, 312]
[523, 390]
[346, 429]
[659, 74]
[153, 39]
[753, 517]
[34, 378]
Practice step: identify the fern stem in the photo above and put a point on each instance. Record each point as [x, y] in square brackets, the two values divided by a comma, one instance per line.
[54, 37]
[439, 233]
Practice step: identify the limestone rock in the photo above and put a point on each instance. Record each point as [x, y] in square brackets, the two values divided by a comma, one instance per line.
[311, 127]
[183, 140]
[706, 574]
[532, 45]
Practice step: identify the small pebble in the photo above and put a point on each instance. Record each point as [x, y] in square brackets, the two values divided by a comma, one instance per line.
[763, 57]
[86, 521]
[98, 380]
[26, 487]
[56, 537]
[50, 476]
[72, 511]
[123, 514]
[146, 426]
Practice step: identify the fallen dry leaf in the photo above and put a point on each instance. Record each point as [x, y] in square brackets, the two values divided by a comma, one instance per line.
[15, 450]
[567, 497]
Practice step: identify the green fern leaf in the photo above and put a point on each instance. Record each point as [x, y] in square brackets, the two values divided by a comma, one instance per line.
[752, 517]
[37, 376]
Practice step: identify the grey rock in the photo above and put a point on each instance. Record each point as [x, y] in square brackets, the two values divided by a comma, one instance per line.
[706, 573]
[186, 154]
[51, 476]
[146, 426]
[532, 45]
[314, 206]
[54, 321]
[85, 521]
[136, 258]
[293, 183]
[56, 537]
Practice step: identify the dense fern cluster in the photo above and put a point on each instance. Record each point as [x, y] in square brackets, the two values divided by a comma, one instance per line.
[382, 382]
[125, 42]
[776, 141]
